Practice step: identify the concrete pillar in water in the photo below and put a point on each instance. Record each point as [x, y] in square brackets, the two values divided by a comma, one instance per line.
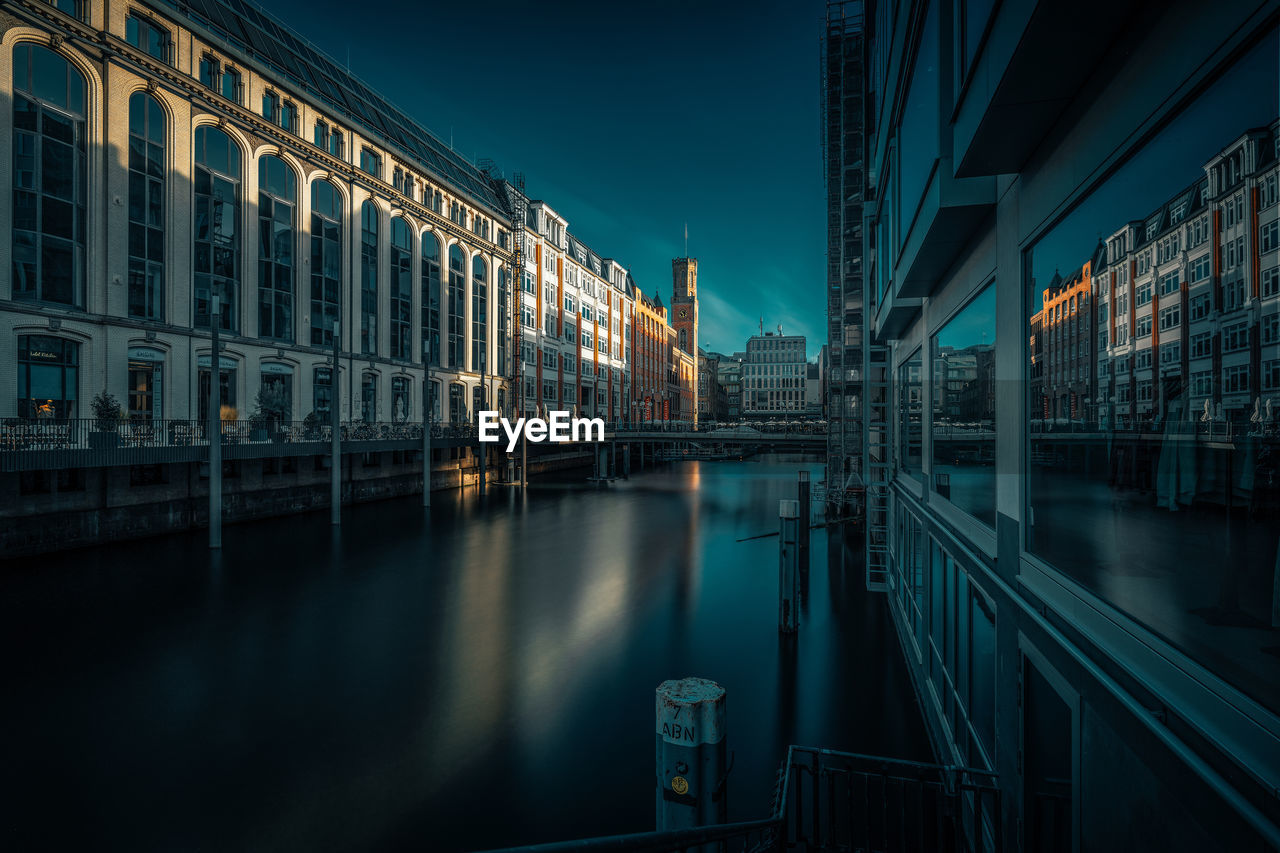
[691, 745]
[426, 437]
[803, 495]
[788, 565]
[626, 461]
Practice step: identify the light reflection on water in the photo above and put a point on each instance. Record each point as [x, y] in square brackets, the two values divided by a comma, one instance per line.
[464, 677]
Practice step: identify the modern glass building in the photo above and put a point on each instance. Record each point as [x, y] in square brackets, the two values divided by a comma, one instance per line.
[1075, 269]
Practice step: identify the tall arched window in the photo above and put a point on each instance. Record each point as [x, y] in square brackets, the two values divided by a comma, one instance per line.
[504, 324]
[146, 207]
[457, 302]
[277, 206]
[369, 278]
[326, 261]
[479, 313]
[401, 289]
[49, 177]
[430, 298]
[217, 239]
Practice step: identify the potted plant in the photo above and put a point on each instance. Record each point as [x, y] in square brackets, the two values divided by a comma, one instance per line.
[106, 419]
[270, 411]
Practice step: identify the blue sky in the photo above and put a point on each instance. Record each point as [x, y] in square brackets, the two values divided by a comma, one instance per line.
[630, 120]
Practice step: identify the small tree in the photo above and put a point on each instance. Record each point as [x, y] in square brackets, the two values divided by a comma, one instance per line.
[106, 411]
[272, 404]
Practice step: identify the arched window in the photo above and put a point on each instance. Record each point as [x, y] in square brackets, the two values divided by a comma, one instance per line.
[457, 302]
[49, 172]
[479, 313]
[217, 238]
[369, 278]
[401, 289]
[457, 403]
[277, 212]
[326, 261]
[430, 298]
[504, 325]
[146, 207]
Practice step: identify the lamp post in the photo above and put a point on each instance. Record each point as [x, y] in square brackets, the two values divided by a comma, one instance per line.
[427, 406]
[215, 425]
[335, 424]
[484, 401]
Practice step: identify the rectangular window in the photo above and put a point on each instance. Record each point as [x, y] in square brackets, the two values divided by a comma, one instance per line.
[1235, 337]
[964, 397]
[1169, 283]
[232, 88]
[371, 162]
[1170, 317]
[1270, 236]
[1271, 328]
[1200, 269]
[1271, 375]
[910, 413]
[149, 37]
[1202, 345]
[1270, 282]
[1235, 380]
[1142, 327]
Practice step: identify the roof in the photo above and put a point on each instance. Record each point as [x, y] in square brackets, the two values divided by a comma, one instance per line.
[268, 41]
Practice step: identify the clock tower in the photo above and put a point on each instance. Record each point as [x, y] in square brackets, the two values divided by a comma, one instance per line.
[684, 303]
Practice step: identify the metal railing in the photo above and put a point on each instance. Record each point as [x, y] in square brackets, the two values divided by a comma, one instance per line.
[839, 801]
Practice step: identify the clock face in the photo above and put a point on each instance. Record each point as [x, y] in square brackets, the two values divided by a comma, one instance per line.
[684, 313]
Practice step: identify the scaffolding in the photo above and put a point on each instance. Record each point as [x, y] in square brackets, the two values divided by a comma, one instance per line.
[843, 152]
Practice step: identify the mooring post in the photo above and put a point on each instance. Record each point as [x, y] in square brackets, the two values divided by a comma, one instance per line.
[524, 460]
[691, 744]
[626, 461]
[805, 521]
[788, 565]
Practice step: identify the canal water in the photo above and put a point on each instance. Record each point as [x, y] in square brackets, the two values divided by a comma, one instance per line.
[478, 675]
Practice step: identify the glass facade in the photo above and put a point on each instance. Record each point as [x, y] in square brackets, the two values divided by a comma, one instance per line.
[430, 298]
[964, 408]
[910, 413]
[217, 226]
[369, 278]
[49, 177]
[326, 261]
[48, 377]
[146, 207]
[401, 289]
[1154, 445]
[277, 215]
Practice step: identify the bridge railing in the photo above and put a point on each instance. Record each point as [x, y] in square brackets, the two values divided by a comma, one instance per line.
[839, 801]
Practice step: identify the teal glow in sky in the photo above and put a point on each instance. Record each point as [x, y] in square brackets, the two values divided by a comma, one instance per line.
[629, 120]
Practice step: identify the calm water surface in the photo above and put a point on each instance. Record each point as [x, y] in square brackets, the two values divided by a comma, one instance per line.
[468, 677]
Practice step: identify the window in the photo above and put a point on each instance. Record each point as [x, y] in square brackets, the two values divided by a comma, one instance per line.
[277, 205]
[910, 411]
[1170, 317]
[146, 207]
[1160, 420]
[369, 397]
[1271, 328]
[1271, 375]
[504, 322]
[369, 278]
[401, 290]
[457, 302]
[210, 71]
[371, 162]
[326, 261]
[149, 37]
[1142, 326]
[401, 407]
[964, 408]
[1270, 282]
[457, 400]
[329, 138]
[1168, 283]
[145, 382]
[226, 385]
[49, 177]
[322, 393]
[48, 377]
[1270, 236]
[74, 8]
[232, 88]
[271, 107]
[217, 222]
[289, 116]
[1235, 379]
[1141, 294]
[430, 298]
[479, 314]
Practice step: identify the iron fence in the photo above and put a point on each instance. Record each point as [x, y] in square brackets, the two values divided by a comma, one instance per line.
[837, 801]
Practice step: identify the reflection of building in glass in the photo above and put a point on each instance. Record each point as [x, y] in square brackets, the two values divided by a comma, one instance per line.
[1061, 347]
[1189, 296]
[1116, 551]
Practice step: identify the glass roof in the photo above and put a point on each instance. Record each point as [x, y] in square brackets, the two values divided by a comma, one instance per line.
[270, 42]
